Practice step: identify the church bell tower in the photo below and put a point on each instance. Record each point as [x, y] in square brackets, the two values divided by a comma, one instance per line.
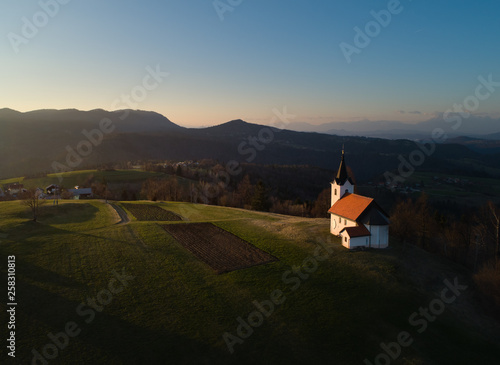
[342, 183]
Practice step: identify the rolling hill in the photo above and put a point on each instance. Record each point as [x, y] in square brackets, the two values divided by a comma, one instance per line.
[486, 146]
[131, 293]
[48, 141]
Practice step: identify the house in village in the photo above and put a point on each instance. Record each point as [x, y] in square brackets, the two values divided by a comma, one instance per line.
[357, 220]
[39, 192]
[81, 193]
[52, 189]
[15, 189]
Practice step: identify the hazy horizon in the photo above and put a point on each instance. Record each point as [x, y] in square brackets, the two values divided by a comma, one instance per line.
[256, 56]
[473, 126]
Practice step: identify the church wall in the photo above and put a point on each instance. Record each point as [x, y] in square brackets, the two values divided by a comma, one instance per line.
[340, 190]
[380, 236]
[345, 240]
[359, 242]
[337, 224]
[353, 242]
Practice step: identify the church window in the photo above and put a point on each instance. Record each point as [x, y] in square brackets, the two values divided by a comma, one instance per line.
[335, 191]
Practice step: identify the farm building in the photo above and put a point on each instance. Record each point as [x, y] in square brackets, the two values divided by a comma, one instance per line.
[39, 192]
[52, 189]
[357, 220]
[81, 193]
[12, 190]
[16, 188]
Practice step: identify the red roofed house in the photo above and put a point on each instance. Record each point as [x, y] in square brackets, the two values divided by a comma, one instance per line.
[357, 220]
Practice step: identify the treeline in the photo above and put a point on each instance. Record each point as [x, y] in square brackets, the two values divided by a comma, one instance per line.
[286, 189]
[241, 194]
[471, 240]
[298, 190]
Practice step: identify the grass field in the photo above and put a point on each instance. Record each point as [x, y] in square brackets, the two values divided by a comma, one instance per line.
[80, 178]
[156, 303]
[479, 191]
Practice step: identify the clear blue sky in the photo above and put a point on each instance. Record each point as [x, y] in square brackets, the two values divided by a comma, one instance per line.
[265, 54]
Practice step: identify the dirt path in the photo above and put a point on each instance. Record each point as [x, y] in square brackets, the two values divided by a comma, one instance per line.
[124, 219]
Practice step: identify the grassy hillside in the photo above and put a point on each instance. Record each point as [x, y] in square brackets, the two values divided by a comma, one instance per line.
[175, 309]
[82, 178]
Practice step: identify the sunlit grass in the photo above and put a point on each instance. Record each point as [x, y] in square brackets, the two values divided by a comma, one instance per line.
[177, 309]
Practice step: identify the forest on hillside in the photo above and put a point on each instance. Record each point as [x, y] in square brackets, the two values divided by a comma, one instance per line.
[471, 240]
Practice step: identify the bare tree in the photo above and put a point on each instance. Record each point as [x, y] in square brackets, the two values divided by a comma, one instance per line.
[495, 220]
[479, 241]
[31, 199]
[424, 220]
[322, 204]
[403, 222]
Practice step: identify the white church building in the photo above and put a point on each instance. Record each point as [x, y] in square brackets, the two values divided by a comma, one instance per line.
[357, 220]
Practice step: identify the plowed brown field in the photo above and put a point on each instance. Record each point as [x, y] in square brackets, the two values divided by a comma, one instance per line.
[148, 212]
[219, 249]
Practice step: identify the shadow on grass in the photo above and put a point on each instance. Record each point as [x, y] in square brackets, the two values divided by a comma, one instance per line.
[68, 213]
[23, 231]
[61, 214]
[106, 338]
[35, 273]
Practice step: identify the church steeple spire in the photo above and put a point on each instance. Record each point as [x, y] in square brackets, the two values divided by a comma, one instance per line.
[342, 175]
[342, 183]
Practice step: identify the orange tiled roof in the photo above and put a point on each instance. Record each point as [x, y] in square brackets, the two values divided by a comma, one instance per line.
[358, 231]
[351, 206]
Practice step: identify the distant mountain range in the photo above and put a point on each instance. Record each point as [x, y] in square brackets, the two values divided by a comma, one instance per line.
[127, 121]
[474, 126]
[489, 146]
[37, 141]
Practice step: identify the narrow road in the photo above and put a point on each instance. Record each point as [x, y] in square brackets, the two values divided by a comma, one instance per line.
[124, 219]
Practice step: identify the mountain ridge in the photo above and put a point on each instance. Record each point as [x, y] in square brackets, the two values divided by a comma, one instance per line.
[474, 126]
[33, 144]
